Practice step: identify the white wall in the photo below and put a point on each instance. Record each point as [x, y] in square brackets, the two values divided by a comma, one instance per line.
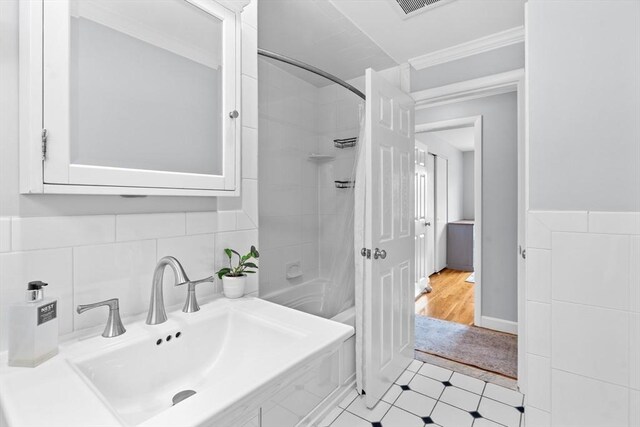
[499, 186]
[90, 248]
[583, 287]
[438, 146]
[468, 182]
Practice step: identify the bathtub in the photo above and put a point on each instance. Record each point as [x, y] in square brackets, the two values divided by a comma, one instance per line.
[310, 297]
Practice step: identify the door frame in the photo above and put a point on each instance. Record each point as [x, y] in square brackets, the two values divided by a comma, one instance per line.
[510, 81]
[476, 123]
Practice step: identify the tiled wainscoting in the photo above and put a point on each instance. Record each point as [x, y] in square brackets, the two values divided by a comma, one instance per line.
[86, 259]
[583, 319]
[427, 395]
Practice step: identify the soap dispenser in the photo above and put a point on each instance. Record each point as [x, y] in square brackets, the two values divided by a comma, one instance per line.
[33, 328]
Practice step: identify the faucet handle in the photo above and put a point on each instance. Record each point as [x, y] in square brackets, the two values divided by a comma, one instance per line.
[191, 304]
[114, 325]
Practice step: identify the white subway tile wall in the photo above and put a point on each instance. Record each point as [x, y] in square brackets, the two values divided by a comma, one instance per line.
[5, 234]
[54, 232]
[116, 270]
[146, 226]
[88, 258]
[80, 272]
[301, 211]
[583, 326]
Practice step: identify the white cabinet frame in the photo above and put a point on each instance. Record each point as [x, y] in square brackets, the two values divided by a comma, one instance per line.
[44, 104]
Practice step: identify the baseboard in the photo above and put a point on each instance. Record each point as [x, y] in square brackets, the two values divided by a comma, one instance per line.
[499, 325]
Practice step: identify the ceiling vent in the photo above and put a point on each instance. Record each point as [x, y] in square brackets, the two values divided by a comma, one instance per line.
[409, 8]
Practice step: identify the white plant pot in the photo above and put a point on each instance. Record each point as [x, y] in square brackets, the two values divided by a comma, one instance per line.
[233, 287]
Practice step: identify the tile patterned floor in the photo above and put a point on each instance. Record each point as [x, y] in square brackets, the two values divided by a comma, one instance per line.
[430, 395]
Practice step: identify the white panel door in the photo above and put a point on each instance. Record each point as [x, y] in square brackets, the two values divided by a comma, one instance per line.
[386, 303]
[420, 217]
[431, 215]
[441, 213]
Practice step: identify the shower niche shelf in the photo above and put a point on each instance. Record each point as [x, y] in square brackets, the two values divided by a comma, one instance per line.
[321, 157]
[345, 142]
[344, 184]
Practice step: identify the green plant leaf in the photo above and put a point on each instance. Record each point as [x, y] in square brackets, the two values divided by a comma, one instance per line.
[228, 252]
[250, 264]
[222, 272]
[254, 252]
[249, 271]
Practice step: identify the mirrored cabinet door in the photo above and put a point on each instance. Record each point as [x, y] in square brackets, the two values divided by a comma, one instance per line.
[138, 93]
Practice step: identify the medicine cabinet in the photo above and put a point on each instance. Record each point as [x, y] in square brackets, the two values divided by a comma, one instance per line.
[130, 97]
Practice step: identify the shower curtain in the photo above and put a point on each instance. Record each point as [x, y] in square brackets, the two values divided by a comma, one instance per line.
[341, 293]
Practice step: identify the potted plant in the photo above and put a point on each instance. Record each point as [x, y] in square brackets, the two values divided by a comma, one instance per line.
[233, 277]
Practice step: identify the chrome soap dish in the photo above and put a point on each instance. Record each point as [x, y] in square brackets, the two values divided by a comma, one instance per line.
[345, 143]
[344, 184]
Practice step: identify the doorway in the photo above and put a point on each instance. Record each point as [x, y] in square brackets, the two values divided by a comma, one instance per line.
[446, 238]
[435, 119]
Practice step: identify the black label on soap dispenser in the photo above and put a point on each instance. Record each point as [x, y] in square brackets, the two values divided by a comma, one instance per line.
[47, 312]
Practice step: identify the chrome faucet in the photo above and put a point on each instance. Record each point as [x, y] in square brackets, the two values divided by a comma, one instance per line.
[114, 325]
[157, 313]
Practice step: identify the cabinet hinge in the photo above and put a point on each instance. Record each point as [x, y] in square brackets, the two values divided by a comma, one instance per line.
[44, 144]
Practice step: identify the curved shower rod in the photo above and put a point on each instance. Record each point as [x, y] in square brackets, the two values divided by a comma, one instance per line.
[311, 69]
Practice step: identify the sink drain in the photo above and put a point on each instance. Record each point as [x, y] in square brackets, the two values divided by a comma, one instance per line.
[179, 397]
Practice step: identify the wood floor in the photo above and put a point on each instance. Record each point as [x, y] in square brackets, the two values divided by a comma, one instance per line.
[451, 298]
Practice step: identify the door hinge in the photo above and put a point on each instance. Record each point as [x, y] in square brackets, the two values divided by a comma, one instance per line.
[365, 253]
[44, 135]
[522, 251]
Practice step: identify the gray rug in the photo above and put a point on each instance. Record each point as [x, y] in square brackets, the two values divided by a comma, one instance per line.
[483, 348]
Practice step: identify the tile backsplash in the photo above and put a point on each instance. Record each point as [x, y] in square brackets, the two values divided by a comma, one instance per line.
[86, 259]
[583, 318]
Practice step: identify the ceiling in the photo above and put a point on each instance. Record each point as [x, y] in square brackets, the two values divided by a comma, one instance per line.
[315, 32]
[448, 25]
[460, 138]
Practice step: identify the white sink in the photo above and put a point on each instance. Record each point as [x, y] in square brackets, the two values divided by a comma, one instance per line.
[224, 352]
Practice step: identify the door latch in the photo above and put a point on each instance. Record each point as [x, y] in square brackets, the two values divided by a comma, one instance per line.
[365, 253]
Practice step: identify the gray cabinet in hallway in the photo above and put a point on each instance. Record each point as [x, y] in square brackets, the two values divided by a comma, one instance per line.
[460, 245]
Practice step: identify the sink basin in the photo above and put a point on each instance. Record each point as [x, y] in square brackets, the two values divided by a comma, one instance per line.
[193, 370]
[141, 379]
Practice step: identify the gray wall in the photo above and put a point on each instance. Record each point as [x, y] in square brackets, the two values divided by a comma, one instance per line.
[11, 202]
[472, 67]
[499, 187]
[440, 147]
[468, 182]
[584, 105]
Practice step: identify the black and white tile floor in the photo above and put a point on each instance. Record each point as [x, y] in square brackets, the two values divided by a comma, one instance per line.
[428, 395]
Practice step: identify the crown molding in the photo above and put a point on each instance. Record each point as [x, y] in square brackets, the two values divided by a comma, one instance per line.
[235, 5]
[470, 89]
[474, 47]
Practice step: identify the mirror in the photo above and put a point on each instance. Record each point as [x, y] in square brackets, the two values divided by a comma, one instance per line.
[146, 86]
